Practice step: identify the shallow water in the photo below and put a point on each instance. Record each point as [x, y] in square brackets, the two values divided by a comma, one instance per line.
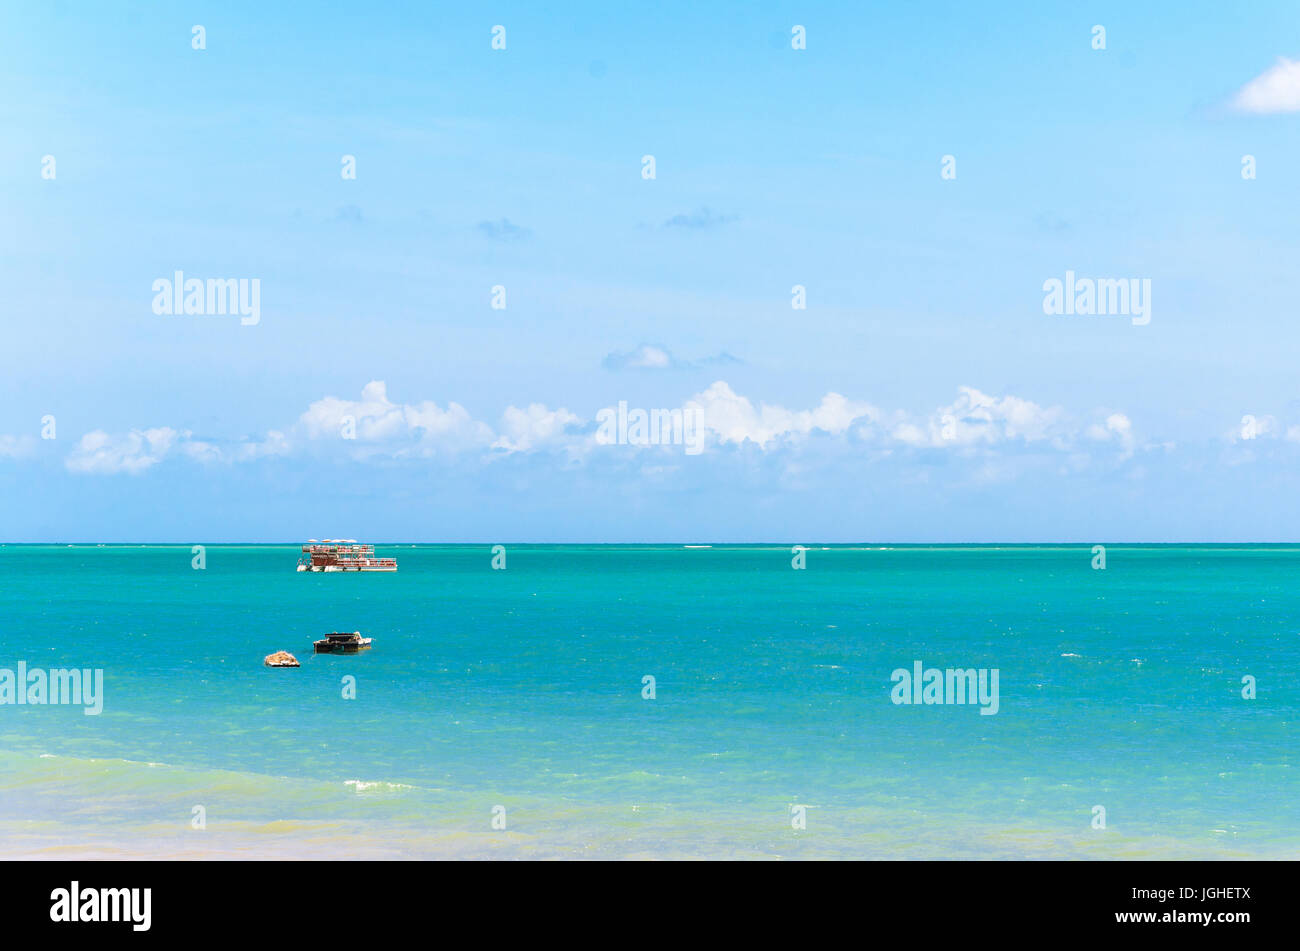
[522, 688]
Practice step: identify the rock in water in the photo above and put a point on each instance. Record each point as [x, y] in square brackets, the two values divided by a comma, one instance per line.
[281, 659]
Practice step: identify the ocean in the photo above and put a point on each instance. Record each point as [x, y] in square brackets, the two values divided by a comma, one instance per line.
[506, 713]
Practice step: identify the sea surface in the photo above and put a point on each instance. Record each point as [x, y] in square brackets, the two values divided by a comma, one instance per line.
[518, 694]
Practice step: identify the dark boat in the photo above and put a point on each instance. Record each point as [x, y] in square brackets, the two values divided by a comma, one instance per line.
[346, 643]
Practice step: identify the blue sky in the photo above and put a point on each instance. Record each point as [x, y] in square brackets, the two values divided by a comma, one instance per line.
[922, 395]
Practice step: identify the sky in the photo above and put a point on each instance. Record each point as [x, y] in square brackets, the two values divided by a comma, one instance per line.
[838, 269]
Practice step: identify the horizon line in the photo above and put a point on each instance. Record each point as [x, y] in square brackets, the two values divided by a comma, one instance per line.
[773, 544]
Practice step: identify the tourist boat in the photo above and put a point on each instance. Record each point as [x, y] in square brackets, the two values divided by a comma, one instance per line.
[342, 554]
[345, 643]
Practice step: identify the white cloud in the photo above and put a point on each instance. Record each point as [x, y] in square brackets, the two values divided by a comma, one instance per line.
[201, 451]
[733, 418]
[644, 357]
[533, 428]
[377, 424]
[275, 444]
[648, 356]
[376, 427]
[976, 418]
[1254, 427]
[16, 447]
[102, 454]
[1275, 90]
[1118, 428]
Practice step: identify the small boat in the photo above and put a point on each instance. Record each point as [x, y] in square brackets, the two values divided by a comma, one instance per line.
[342, 643]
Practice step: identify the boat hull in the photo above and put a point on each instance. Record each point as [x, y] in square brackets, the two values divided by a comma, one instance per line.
[347, 567]
[333, 647]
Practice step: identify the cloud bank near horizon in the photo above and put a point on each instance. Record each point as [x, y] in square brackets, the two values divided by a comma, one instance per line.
[374, 428]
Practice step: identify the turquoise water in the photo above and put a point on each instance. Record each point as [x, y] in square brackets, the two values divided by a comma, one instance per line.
[523, 688]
